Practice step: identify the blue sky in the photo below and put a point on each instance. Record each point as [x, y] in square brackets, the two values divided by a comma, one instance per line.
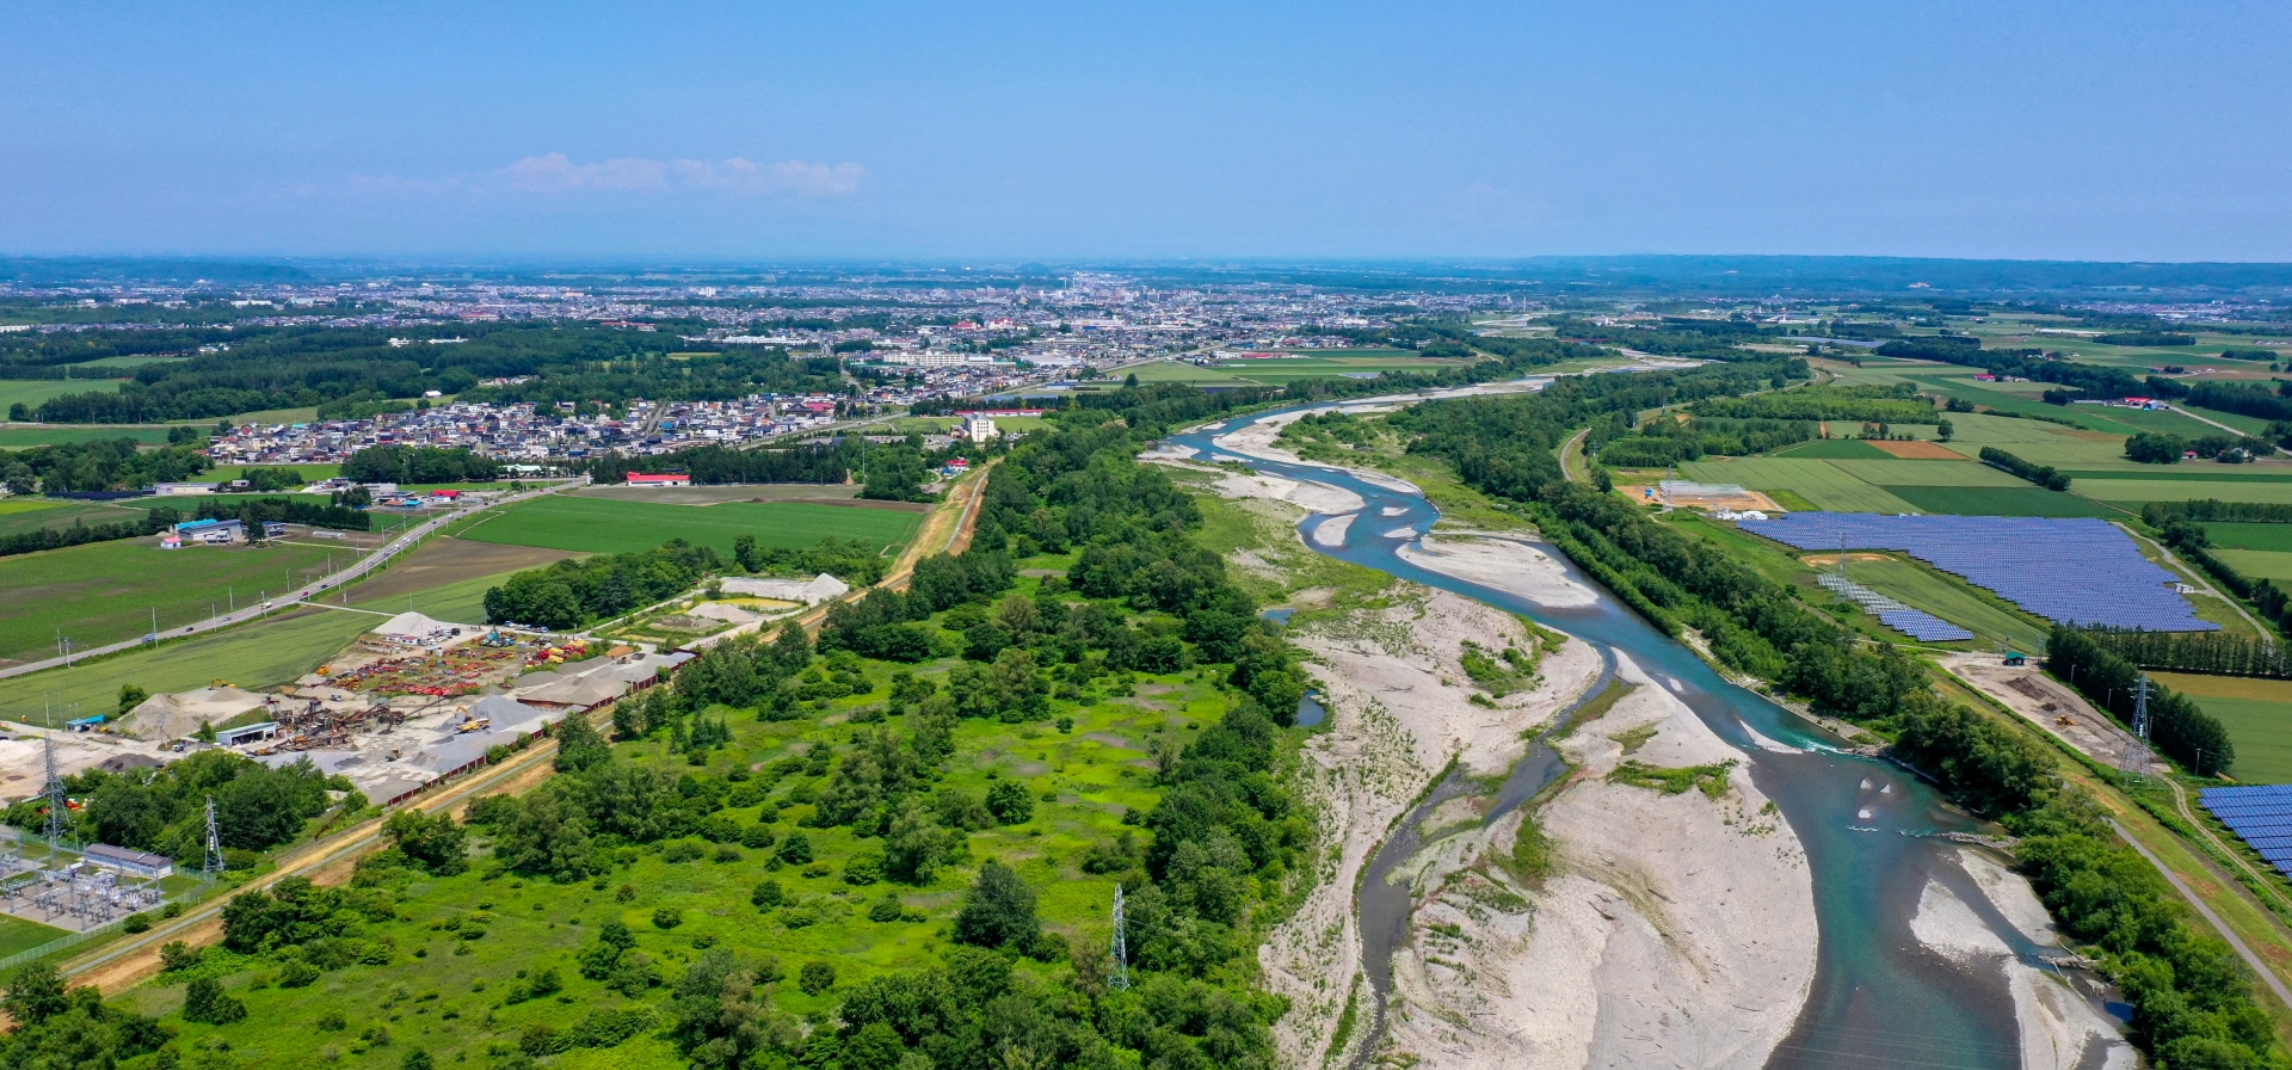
[2096, 130]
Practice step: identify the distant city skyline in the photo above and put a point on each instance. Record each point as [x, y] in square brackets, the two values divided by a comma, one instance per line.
[2106, 131]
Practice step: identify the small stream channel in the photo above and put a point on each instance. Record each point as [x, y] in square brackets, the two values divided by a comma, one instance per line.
[1879, 999]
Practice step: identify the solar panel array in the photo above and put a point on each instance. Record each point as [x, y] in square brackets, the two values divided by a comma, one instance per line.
[2262, 817]
[2078, 570]
[1923, 626]
[1893, 614]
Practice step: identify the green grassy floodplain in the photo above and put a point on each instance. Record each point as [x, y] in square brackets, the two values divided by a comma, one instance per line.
[604, 525]
[105, 592]
[452, 1007]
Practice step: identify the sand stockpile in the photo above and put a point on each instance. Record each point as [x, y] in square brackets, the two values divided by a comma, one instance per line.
[180, 713]
[1399, 708]
[1673, 929]
[1505, 564]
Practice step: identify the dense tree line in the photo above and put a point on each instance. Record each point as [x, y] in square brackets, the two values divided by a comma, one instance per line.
[2212, 653]
[267, 368]
[569, 594]
[253, 512]
[1665, 441]
[2244, 399]
[2156, 447]
[2158, 514]
[110, 464]
[419, 464]
[57, 1026]
[1505, 444]
[2177, 726]
[163, 810]
[854, 561]
[2081, 379]
[2042, 475]
[717, 464]
[1897, 404]
[2194, 1005]
[155, 520]
[2146, 338]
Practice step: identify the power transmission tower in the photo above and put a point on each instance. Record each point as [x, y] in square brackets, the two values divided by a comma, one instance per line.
[213, 866]
[1121, 978]
[2137, 755]
[58, 804]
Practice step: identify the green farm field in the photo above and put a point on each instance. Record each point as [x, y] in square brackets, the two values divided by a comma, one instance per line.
[2257, 714]
[2277, 537]
[602, 525]
[1082, 779]
[261, 654]
[1170, 371]
[2193, 472]
[1828, 449]
[2260, 564]
[31, 514]
[19, 436]
[34, 391]
[1323, 366]
[1889, 473]
[106, 592]
[2021, 500]
[1820, 482]
[2173, 490]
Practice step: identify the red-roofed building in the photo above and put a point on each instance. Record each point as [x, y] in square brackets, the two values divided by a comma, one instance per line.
[662, 479]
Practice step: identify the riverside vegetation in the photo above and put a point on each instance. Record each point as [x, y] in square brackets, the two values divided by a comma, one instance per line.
[894, 848]
[2194, 1002]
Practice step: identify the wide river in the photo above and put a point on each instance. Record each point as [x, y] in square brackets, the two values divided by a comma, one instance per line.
[1879, 998]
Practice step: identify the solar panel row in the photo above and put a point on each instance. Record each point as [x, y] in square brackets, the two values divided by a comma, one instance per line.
[2077, 570]
[2260, 816]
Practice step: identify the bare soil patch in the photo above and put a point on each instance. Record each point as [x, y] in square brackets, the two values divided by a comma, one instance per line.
[450, 560]
[1749, 499]
[1919, 450]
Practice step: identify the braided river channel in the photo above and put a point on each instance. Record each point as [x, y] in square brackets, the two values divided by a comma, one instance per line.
[1879, 998]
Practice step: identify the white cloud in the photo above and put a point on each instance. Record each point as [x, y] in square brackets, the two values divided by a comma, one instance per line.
[554, 173]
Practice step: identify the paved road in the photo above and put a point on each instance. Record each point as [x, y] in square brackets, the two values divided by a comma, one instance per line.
[406, 540]
[2243, 949]
[2237, 431]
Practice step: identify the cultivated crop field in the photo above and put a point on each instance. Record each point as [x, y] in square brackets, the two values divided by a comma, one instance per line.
[2258, 715]
[2022, 500]
[19, 436]
[2238, 536]
[1328, 363]
[602, 525]
[34, 391]
[1820, 482]
[105, 592]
